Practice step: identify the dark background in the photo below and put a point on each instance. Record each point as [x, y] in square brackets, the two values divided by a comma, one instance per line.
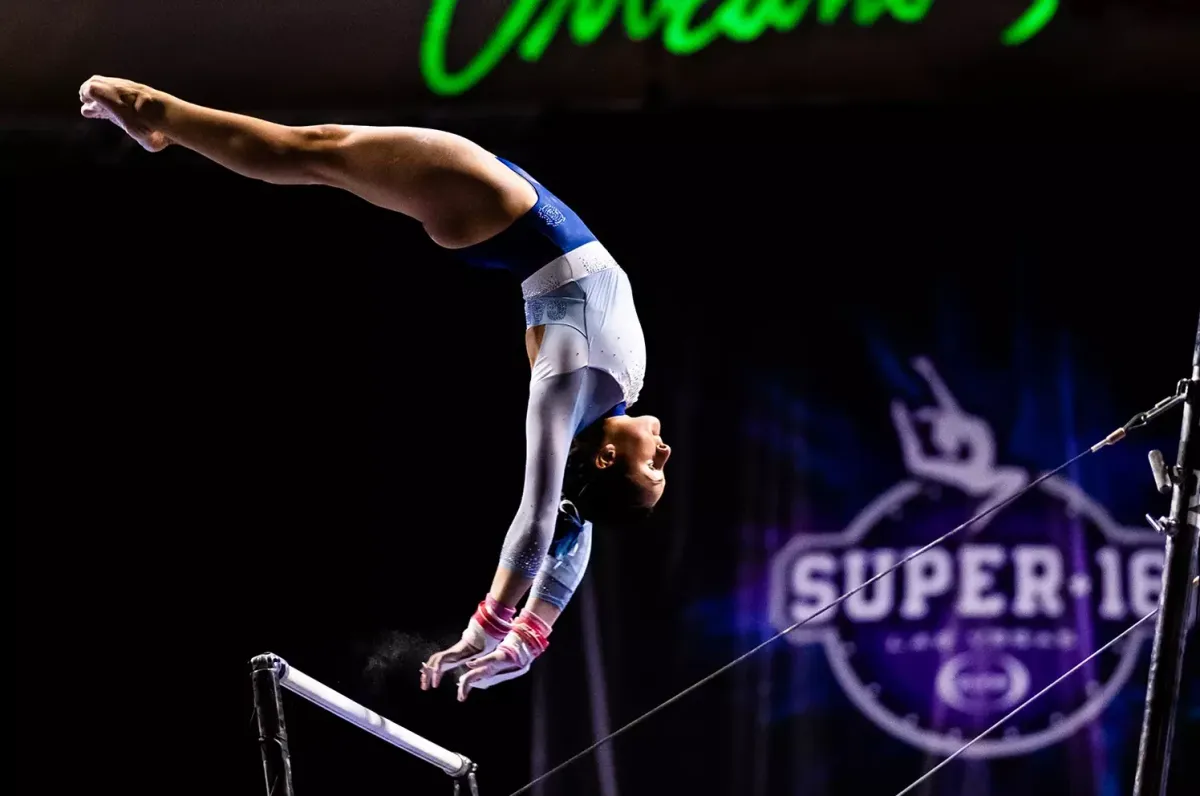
[256, 418]
[296, 57]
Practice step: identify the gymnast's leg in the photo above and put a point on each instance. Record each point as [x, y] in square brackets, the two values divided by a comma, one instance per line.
[457, 190]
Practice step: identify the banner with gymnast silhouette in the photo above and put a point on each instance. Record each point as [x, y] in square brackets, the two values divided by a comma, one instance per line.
[929, 657]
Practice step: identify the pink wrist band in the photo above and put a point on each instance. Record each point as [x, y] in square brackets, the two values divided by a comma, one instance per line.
[535, 623]
[529, 638]
[494, 618]
[506, 613]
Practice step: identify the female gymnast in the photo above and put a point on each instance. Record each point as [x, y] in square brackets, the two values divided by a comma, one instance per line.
[586, 459]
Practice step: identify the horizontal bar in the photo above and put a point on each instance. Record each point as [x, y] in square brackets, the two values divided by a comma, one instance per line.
[298, 682]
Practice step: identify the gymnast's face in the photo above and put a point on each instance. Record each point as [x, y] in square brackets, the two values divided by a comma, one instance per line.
[638, 443]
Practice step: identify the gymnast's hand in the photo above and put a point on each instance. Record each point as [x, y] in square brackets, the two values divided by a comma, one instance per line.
[439, 662]
[528, 639]
[485, 671]
[489, 625]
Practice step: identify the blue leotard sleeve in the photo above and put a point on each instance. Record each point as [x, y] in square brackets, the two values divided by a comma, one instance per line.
[563, 567]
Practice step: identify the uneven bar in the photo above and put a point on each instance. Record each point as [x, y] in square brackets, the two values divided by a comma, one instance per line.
[298, 682]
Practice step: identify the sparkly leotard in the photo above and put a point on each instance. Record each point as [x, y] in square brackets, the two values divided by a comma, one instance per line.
[591, 364]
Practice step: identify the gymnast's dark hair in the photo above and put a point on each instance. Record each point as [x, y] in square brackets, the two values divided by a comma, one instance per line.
[604, 496]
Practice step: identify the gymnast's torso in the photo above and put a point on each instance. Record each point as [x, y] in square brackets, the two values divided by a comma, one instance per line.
[579, 307]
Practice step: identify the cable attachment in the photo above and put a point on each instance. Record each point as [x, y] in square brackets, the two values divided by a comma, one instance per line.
[1143, 418]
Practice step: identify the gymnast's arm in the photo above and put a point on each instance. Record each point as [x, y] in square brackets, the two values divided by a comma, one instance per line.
[559, 575]
[550, 425]
[561, 571]
[557, 390]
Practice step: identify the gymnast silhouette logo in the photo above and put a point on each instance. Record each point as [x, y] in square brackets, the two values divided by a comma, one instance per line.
[938, 651]
[965, 456]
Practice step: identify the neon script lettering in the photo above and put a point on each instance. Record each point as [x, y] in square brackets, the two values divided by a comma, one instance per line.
[530, 26]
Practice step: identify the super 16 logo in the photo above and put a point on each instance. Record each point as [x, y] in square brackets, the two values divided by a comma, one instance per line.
[938, 651]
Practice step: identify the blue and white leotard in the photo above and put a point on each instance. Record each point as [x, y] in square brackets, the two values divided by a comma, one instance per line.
[591, 364]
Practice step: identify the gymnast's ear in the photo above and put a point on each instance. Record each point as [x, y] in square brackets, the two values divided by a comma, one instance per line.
[606, 456]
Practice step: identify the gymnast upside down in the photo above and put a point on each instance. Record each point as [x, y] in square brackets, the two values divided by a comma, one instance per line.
[586, 459]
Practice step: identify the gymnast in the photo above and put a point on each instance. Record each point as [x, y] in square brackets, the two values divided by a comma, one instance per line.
[587, 460]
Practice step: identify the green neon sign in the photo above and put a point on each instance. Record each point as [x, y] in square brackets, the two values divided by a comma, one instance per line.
[530, 25]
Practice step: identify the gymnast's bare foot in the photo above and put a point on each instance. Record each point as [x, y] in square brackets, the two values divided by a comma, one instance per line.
[126, 104]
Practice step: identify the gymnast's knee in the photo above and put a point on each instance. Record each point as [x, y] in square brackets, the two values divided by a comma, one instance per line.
[470, 210]
[457, 229]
